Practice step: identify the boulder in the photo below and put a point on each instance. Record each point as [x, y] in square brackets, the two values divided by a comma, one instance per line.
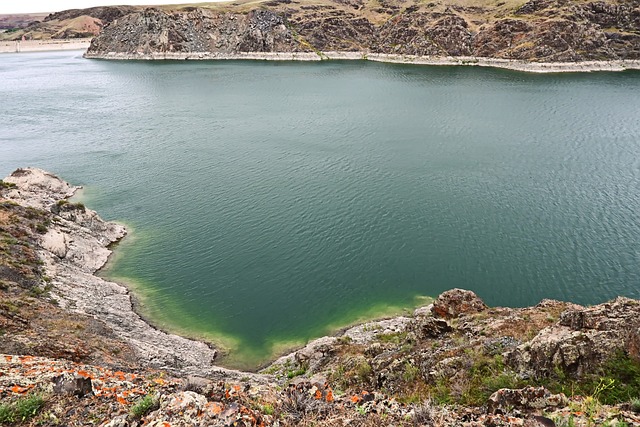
[75, 385]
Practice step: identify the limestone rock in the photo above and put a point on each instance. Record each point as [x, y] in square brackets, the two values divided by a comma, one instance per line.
[74, 248]
[37, 188]
[55, 242]
[453, 303]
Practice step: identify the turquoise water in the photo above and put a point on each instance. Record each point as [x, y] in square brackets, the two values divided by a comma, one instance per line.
[272, 202]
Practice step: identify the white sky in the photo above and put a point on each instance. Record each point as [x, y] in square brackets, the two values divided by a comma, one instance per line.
[32, 6]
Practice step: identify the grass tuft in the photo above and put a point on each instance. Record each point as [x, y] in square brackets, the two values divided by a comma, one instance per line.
[22, 409]
[143, 406]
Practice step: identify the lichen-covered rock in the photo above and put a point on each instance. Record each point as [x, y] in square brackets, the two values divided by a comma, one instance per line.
[583, 339]
[453, 303]
[430, 327]
[528, 398]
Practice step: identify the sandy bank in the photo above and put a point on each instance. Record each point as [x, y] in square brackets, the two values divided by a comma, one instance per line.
[43, 45]
[518, 65]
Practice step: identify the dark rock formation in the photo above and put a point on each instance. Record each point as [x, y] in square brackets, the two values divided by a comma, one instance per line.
[75, 385]
[539, 30]
[200, 30]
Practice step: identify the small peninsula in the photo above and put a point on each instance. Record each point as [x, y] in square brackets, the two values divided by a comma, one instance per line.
[73, 351]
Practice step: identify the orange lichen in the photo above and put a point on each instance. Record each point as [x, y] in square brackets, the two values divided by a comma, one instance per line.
[20, 390]
[329, 397]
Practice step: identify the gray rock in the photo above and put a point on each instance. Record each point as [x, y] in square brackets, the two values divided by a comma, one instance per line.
[72, 384]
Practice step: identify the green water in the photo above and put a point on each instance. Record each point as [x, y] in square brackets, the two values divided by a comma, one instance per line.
[271, 203]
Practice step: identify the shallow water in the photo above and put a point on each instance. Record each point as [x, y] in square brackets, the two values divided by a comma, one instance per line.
[272, 202]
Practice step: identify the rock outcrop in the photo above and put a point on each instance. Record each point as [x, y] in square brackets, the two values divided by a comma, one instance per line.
[538, 31]
[582, 340]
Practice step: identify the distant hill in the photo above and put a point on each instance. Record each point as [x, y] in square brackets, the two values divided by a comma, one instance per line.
[22, 20]
[67, 24]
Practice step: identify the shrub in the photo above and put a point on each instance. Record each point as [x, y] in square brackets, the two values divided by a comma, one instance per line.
[7, 185]
[143, 406]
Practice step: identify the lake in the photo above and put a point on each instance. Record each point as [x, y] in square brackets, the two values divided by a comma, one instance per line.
[271, 203]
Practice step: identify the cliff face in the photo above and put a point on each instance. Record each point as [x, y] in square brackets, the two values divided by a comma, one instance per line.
[200, 30]
[539, 30]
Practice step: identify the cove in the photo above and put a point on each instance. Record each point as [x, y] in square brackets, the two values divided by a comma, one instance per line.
[271, 203]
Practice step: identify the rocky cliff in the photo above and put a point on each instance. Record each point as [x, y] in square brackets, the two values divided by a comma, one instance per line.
[538, 30]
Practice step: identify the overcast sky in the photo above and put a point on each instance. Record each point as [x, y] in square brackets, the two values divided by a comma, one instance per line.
[31, 6]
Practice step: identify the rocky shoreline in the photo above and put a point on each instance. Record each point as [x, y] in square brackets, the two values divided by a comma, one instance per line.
[455, 362]
[74, 248]
[537, 36]
[509, 64]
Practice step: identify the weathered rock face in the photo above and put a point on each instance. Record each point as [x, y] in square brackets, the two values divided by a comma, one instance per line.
[582, 340]
[456, 302]
[200, 30]
[540, 30]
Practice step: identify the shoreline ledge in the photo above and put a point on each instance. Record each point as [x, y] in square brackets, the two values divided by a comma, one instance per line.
[510, 64]
[26, 46]
[76, 246]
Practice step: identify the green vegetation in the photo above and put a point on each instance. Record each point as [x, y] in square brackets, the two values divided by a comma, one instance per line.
[296, 372]
[65, 205]
[618, 381]
[6, 185]
[393, 337]
[22, 409]
[473, 385]
[143, 406]
[267, 409]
